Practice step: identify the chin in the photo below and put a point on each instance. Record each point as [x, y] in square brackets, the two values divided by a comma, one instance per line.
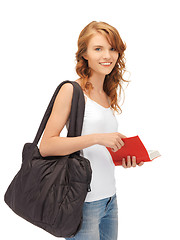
[103, 73]
[106, 72]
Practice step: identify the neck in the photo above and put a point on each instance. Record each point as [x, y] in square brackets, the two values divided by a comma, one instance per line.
[97, 81]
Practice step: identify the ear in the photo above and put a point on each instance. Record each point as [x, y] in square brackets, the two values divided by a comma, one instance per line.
[85, 56]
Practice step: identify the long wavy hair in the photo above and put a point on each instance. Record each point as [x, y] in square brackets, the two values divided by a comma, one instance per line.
[115, 78]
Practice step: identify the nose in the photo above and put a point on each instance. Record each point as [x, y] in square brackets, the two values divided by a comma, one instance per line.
[106, 54]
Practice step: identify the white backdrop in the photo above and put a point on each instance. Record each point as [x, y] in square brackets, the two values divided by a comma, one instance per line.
[37, 51]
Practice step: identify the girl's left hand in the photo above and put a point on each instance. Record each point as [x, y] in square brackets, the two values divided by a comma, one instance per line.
[129, 163]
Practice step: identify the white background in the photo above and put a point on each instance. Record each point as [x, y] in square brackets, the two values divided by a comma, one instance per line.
[37, 51]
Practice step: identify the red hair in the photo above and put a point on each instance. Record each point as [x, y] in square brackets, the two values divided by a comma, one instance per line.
[115, 78]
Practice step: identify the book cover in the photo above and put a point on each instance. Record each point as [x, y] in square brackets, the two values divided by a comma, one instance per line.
[133, 146]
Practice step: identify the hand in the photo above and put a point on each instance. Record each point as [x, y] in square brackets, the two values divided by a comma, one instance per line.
[128, 163]
[111, 140]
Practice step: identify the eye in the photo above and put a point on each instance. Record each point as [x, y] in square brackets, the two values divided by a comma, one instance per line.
[97, 49]
[113, 49]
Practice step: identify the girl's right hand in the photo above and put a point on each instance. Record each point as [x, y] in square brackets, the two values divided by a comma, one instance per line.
[111, 140]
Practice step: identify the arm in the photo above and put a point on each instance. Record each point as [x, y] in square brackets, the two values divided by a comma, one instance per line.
[51, 143]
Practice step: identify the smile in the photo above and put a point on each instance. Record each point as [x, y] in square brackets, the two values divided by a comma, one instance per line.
[106, 63]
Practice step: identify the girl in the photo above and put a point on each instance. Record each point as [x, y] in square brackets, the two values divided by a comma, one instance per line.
[100, 65]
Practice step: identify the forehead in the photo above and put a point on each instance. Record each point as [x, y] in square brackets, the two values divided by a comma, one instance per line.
[99, 39]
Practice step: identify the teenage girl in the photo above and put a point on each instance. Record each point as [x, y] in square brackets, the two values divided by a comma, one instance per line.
[100, 66]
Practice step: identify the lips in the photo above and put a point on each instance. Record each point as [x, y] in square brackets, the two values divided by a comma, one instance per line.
[105, 63]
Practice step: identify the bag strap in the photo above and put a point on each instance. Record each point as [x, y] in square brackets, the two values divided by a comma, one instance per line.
[76, 114]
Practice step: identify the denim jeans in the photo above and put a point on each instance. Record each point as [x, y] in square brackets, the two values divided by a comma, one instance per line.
[100, 220]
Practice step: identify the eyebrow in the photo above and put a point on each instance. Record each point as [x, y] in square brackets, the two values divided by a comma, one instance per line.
[97, 46]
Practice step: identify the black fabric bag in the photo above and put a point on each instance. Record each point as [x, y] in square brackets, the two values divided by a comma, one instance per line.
[50, 191]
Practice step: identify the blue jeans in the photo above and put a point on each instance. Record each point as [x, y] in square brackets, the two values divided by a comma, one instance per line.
[100, 220]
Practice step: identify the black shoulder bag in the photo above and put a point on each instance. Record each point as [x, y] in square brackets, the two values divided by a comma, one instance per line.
[50, 191]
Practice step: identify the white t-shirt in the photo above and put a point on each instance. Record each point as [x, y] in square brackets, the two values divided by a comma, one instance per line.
[98, 119]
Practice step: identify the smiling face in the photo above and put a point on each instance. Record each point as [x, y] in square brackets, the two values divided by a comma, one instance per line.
[100, 55]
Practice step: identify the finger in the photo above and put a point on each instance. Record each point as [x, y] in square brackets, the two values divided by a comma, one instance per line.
[118, 146]
[115, 148]
[141, 163]
[121, 142]
[133, 161]
[128, 161]
[124, 163]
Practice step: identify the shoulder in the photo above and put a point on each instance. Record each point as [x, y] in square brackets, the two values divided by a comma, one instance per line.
[67, 87]
[64, 96]
[66, 90]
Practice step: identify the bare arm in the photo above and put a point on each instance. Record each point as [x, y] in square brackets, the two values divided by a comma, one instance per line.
[52, 144]
[67, 145]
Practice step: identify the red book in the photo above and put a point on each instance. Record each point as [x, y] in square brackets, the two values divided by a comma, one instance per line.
[133, 146]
